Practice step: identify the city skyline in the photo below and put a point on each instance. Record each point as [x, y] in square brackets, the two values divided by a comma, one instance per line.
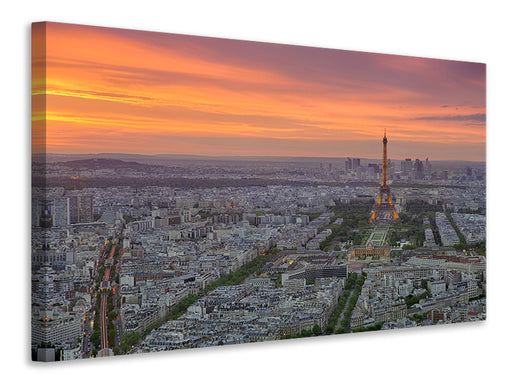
[114, 90]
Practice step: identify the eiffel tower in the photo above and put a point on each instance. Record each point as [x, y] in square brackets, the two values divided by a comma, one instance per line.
[384, 210]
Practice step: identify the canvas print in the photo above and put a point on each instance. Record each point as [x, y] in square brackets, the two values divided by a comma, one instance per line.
[194, 192]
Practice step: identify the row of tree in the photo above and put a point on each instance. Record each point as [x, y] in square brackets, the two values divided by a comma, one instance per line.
[333, 320]
[345, 322]
[246, 270]
[352, 281]
[315, 331]
[352, 290]
[128, 340]
[375, 327]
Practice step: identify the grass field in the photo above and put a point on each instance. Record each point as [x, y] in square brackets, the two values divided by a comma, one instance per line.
[378, 236]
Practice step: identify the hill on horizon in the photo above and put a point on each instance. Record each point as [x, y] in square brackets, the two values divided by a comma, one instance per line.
[164, 159]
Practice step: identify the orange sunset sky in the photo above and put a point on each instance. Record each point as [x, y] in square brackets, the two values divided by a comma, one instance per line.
[97, 90]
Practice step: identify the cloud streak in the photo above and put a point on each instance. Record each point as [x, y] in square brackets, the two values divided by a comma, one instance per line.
[477, 117]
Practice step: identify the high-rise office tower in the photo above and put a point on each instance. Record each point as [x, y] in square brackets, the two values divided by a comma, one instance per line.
[61, 211]
[80, 209]
[419, 172]
[406, 167]
[85, 209]
[428, 169]
[348, 164]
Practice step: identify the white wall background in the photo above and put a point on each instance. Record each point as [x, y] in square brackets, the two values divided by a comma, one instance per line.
[459, 30]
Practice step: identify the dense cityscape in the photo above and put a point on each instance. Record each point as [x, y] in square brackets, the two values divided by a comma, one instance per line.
[134, 254]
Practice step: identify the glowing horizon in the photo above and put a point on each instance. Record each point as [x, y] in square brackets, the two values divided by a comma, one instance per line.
[123, 91]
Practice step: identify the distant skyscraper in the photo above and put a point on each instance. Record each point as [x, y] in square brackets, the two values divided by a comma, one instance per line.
[348, 164]
[391, 169]
[371, 172]
[375, 167]
[419, 172]
[406, 167]
[428, 169]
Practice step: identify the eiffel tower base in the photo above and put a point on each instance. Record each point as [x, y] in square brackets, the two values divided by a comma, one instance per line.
[383, 213]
